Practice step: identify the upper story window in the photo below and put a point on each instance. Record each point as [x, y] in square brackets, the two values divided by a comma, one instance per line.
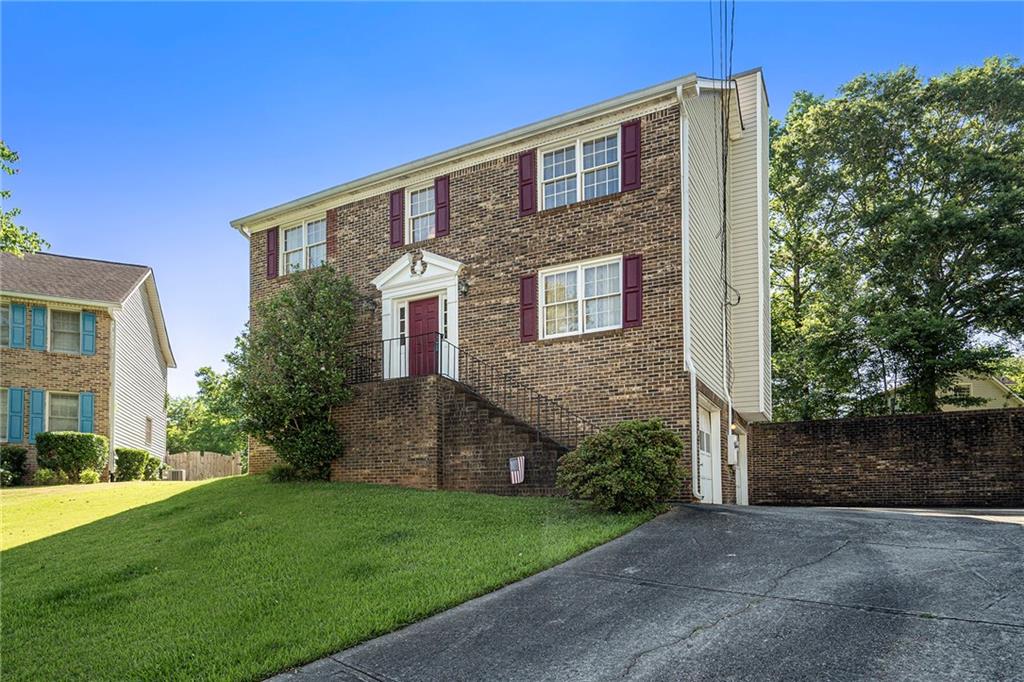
[5, 325]
[584, 168]
[305, 245]
[581, 298]
[421, 220]
[65, 331]
[63, 412]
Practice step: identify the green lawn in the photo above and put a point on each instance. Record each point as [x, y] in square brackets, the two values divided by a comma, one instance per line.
[239, 578]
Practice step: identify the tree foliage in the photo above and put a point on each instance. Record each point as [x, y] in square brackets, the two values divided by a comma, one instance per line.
[289, 368]
[14, 238]
[208, 422]
[897, 213]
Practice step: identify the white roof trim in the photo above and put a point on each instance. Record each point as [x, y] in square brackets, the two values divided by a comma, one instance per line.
[85, 303]
[511, 136]
[149, 280]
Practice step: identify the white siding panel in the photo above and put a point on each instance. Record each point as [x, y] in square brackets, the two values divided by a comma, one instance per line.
[705, 243]
[140, 376]
[750, 321]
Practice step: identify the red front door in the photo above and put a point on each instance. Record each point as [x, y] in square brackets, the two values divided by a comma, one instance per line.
[423, 339]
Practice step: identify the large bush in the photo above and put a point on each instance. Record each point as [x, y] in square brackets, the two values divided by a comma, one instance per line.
[151, 469]
[69, 452]
[290, 367]
[14, 460]
[130, 463]
[628, 467]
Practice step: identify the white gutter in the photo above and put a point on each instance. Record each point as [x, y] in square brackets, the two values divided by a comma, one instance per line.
[508, 137]
[85, 303]
[691, 368]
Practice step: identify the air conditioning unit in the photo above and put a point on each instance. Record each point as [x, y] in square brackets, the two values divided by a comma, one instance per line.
[176, 475]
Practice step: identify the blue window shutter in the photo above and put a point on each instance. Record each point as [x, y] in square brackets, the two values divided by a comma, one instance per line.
[17, 325]
[38, 341]
[88, 333]
[36, 414]
[85, 402]
[15, 414]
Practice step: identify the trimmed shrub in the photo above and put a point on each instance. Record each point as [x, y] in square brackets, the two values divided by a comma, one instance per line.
[628, 467]
[151, 469]
[14, 461]
[89, 476]
[282, 473]
[44, 476]
[6, 478]
[130, 463]
[70, 452]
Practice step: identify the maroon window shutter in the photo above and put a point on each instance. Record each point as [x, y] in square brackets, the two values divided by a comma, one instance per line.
[632, 291]
[631, 155]
[528, 308]
[528, 182]
[397, 218]
[441, 215]
[272, 258]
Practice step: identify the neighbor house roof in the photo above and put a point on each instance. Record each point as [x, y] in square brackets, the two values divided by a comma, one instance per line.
[85, 281]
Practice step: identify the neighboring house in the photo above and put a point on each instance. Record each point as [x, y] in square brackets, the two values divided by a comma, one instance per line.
[83, 347]
[994, 392]
[583, 257]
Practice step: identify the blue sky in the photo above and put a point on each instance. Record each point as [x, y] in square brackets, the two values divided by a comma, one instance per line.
[144, 129]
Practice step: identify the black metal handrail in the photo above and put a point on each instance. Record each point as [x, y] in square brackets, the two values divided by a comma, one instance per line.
[432, 353]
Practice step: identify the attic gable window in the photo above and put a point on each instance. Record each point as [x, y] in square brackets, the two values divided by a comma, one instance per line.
[305, 245]
[584, 168]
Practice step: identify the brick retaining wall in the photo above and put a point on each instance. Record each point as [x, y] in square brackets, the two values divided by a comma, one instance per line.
[973, 458]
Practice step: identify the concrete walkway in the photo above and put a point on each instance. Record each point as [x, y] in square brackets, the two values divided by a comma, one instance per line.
[740, 593]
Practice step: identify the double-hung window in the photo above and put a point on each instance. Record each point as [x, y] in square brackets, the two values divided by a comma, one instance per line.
[5, 325]
[582, 298]
[421, 222]
[63, 412]
[66, 331]
[4, 412]
[305, 245]
[584, 168]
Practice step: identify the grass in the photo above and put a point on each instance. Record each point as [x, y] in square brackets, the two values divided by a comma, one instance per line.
[240, 578]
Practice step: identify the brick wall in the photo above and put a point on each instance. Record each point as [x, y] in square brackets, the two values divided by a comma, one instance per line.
[61, 372]
[428, 433]
[971, 458]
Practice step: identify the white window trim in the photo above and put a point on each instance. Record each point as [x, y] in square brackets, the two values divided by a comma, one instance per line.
[49, 330]
[304, 224]
[46, 412]
[407, 210]
[580, 297]
[6, 342]
[578, 142]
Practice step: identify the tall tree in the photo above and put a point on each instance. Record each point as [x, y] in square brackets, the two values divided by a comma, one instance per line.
[14, 238]
[916, 189]
[210, 421]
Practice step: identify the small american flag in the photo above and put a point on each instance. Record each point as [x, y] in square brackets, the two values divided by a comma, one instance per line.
[517, 467]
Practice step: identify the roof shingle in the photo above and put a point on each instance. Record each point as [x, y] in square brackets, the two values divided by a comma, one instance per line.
[45, 274]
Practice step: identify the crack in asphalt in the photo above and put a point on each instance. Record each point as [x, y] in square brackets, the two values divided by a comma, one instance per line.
[797, 600]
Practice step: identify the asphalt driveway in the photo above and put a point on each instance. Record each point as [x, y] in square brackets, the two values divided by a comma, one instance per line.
[740, 593]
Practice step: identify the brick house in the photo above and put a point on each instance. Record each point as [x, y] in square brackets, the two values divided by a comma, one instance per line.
[549, 280]
[83, 347]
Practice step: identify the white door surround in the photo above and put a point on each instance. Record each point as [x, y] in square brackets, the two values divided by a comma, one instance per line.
[417, 275]
[742, 480]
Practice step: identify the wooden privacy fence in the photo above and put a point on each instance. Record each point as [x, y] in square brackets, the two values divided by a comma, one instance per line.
[201, 465]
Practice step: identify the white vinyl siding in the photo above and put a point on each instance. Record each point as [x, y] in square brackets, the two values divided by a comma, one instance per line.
[140, 377]
[62, 412]
[748, 256]
[705, 244]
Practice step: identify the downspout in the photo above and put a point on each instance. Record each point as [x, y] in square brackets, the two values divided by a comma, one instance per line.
[112, 389]
[690, 365]
[726, 138]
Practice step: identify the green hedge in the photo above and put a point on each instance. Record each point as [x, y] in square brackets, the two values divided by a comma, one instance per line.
[628, 467]
[130, 463]
[70, 452]
[14, 460]
[151, 469]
